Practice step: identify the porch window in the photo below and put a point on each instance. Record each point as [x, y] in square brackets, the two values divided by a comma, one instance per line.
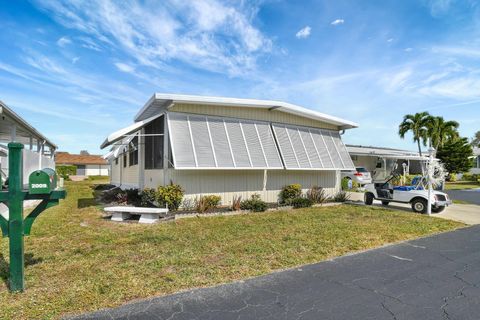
[133, 152]
[154, 144]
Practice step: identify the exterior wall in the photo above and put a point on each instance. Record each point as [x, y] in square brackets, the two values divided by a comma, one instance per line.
[370, 163]
[124, 177]
[252, 114]
[97, 170]
[244, 183]
[115, 174]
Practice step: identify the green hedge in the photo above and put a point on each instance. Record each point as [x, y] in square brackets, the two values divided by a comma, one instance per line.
[66, 171]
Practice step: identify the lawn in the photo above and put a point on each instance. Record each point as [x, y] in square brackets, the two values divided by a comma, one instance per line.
[459, 185]
[79, 262]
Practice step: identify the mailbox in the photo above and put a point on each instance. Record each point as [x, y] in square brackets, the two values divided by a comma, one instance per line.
[42, 181]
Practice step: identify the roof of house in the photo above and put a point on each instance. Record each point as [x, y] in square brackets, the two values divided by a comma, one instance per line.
[67, 158]
[380, 151]
[164, 101]
[11, 124]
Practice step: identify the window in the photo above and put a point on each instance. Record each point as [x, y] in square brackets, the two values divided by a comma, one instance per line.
[133, 152]
[124, 160]
[154, 144]
[116, 161]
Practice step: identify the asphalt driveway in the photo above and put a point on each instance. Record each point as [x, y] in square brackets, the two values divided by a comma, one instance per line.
[469, 195]
[430, 278]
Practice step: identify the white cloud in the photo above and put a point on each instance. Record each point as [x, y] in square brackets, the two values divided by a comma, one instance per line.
[206, 34]
[337, 22]
[63, 41]
[390, 40]
[304, 32]
[75, 59]
[124, 67]
[408, 49]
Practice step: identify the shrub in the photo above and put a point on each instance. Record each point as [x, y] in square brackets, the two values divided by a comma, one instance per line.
[290, 192]
[237, 200]
[133, 197]
[452, 177]
[254, 204]
[204, 203]
[66, 171]
[467, 176]
[188, 204]
[112, 195]
[317, 195]
[345, 182]
[341, 196]
[148, 198]
[213, 201]
[301, 202]
[170, 195]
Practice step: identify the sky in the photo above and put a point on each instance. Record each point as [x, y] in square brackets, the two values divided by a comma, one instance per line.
[79, 70]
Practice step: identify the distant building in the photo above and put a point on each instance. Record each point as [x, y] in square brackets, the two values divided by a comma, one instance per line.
[87, 164]
[476, 161]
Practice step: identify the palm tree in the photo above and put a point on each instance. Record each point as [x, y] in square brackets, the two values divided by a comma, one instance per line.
[439, 131]
[417, 124]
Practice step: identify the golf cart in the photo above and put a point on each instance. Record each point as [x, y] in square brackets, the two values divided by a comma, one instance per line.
[416, 194]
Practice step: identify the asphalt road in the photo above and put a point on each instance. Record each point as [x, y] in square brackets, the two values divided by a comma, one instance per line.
[430, 278]
[471, 196]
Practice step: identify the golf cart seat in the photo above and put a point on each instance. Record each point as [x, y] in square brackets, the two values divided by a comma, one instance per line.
[404, 188]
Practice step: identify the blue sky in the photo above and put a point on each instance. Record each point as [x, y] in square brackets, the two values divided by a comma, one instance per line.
[79, 70]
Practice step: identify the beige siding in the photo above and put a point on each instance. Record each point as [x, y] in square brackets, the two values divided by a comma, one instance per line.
[244, 183]
[252, 114]
[126, 177]
[115, 172]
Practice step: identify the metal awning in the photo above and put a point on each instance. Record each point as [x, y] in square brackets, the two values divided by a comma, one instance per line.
[125, 132]
[208, 142]
[304, 148]
[15, 128]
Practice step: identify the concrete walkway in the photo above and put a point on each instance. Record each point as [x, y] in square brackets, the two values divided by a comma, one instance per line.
[431, 278]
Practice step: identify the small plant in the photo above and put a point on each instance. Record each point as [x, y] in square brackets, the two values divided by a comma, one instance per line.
[301, 202]
[170, 195]
[341, 196]
[317, 195]
[121, 198]
[290, 192]
[236, 203]
[148, 198]
[255, 204]
[204, 203]
[452, 177]
[188, 204]
[213, 201]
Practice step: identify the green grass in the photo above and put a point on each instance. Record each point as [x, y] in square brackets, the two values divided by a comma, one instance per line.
[460, 202]
[459, 185]
[77, 261]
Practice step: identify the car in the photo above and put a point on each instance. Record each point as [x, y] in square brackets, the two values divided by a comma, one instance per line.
[360, 175]
[415, 195]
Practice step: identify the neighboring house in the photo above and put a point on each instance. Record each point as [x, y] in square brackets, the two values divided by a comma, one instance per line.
[38, 152]
[378, 160]
[230, 147]
[476, 161]
[87, 164]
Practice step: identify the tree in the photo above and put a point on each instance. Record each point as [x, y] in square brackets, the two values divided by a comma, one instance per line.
[439, 131]
[417, 124]
[455, 155]
[476, 139]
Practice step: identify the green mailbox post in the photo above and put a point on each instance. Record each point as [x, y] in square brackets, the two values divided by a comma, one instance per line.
[42, 186]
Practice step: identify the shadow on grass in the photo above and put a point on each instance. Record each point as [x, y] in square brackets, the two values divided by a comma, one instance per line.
[87, 202]
[30, 260]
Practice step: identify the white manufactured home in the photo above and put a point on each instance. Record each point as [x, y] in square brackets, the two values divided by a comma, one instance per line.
[230, 147]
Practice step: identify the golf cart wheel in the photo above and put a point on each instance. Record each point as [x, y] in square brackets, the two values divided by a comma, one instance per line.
[438, 209]
[368, 199]
[385, 203]
[419, 205]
